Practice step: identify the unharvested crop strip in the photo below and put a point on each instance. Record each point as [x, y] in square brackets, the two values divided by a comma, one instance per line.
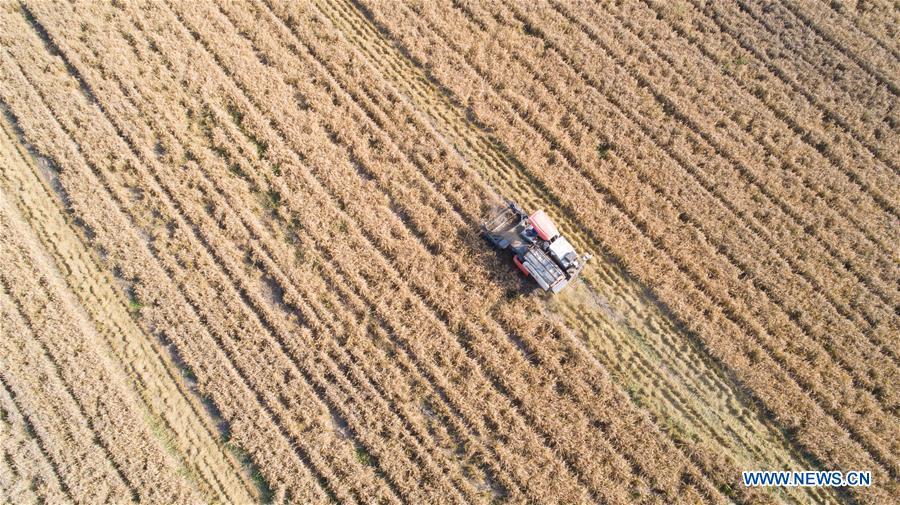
[882, 75]
[799, 105]
[875, 102]
[883, 15]
[879, 239]
[864, 101]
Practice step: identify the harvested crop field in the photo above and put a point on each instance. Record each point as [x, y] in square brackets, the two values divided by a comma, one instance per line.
[241, 255]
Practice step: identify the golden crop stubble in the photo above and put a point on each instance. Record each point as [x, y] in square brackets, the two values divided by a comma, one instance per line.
[28, 471]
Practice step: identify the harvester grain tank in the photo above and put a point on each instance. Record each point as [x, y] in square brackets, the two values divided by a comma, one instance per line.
[539, 250]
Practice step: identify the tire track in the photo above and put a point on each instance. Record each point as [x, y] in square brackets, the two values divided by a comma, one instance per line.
[90, 471]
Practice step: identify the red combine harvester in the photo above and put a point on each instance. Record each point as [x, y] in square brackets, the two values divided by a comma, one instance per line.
[539, 250]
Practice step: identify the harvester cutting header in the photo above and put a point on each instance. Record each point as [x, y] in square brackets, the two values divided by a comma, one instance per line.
[539, 250]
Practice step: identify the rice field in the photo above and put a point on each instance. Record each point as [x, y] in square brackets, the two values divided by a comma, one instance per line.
[241, 256]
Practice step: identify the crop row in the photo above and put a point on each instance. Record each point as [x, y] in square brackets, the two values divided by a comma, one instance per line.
[876, 54]
[758, 76]
[702, 220]
[255, 322]
[27, 471]
[714, 176]
[811, 206]
[834, 139]
[838, 80]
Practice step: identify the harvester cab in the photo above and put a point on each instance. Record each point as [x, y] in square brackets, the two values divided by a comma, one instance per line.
[539, 251]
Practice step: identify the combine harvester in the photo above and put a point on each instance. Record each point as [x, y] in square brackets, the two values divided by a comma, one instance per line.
[539, 250]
